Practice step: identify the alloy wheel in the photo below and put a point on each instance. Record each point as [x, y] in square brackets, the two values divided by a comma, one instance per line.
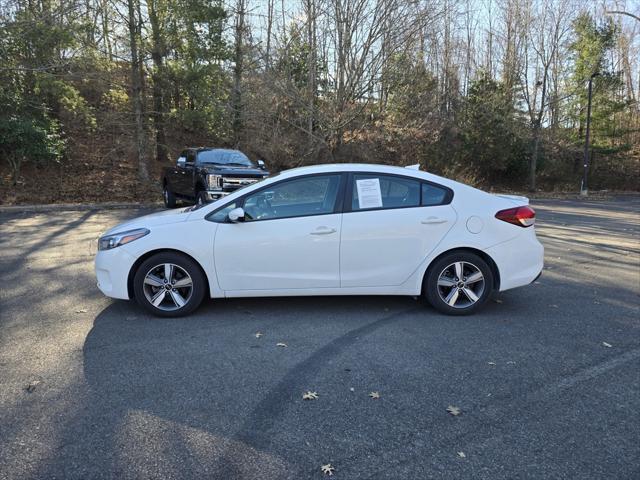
[168, 287]
[461, 284]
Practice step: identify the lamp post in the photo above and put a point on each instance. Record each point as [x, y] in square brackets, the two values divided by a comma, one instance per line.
[584, 190]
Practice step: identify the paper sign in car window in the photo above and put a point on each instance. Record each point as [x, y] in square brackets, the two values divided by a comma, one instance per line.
[369, 195]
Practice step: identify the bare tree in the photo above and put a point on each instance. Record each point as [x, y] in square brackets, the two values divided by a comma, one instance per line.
[136, 88]
[310, 10]
[239, 33]
[157, 12]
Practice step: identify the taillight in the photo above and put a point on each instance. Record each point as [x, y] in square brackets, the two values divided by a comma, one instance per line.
[521, 216]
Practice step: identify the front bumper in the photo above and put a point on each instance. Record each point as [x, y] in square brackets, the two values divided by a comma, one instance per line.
[112, 272]
[212, 195]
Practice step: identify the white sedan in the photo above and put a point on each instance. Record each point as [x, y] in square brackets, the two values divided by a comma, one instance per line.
[327, 230]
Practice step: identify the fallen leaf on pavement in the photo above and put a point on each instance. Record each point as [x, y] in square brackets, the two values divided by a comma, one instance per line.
[280, 344]
[608, 345]
[462, 455]
[328, 469]
[310, 396]
[455, 411]
[31, 387]
[258, 334]
[374, 395]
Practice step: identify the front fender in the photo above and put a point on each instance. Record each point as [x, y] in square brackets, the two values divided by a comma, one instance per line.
[194, 238]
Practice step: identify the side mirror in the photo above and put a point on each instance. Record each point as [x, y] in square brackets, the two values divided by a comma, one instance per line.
[236, 215]
[261, 164]
[181, 161]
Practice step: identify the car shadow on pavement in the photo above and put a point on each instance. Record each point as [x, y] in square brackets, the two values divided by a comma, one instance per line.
[203, 396]
[209, 376]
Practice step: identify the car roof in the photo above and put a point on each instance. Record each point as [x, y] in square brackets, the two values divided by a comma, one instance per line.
[212, 149]
[369, 168]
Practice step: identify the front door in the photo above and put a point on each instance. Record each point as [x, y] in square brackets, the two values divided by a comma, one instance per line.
[185, 175]
[290, 238]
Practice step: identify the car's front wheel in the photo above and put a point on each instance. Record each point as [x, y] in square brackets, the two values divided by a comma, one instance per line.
[459, 283]
[169, 285]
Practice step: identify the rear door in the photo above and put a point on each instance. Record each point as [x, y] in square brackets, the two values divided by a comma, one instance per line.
[390, 224]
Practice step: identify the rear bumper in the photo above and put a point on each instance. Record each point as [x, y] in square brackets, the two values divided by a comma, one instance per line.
[519, 260]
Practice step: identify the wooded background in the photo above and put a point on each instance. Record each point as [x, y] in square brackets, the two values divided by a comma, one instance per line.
[96, 96]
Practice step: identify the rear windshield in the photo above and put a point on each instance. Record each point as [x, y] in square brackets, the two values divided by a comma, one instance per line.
[224, 157]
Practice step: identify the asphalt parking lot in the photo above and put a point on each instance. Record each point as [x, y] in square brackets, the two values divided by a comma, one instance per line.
[547, 377]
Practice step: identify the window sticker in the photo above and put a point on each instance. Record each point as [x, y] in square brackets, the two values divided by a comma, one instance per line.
[369, 195]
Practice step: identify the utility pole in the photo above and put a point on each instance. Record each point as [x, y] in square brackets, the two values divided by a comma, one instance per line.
[584, 189]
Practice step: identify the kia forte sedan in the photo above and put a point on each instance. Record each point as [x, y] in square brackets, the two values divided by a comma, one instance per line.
[327, 230]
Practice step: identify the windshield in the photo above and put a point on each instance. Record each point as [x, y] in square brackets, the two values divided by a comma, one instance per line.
[224, 157]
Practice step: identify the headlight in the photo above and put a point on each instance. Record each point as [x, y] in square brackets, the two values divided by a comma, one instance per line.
[214, 181]
[115, 240]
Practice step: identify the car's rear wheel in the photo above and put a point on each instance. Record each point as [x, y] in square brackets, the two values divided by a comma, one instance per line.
[168, 197]
[169, 285]
[459, 283]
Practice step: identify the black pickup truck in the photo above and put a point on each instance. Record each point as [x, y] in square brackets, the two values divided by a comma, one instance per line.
[202, 175]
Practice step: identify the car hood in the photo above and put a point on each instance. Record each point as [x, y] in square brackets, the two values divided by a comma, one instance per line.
[147, 221]
[234, 170]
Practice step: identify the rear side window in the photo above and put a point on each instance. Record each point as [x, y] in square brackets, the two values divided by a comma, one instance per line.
[434, 195]
[384, 191]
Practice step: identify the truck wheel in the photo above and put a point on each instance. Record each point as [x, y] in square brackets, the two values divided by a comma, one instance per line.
[201, 199]
[168, 197]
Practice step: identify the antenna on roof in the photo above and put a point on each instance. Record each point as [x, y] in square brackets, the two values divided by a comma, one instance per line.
[413, 167]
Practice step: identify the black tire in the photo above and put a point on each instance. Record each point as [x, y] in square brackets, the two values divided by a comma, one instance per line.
[168, 305]
[459, 291]
[201, 198]
[168, 197]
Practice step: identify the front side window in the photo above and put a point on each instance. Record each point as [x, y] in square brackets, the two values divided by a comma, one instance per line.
[220, 216]
[383, 191]
[315, 195]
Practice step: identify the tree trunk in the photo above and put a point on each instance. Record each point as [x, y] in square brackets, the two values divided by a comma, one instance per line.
[533, 163]
[237, 72]
[267, 60]
[311, 73]
[136, 94]
[157, 55]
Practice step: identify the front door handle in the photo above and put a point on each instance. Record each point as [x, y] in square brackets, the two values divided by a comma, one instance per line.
[323, 231]
[433, 220]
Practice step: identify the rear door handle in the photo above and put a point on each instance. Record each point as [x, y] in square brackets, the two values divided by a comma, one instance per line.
[433, 220]
[323, 231]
